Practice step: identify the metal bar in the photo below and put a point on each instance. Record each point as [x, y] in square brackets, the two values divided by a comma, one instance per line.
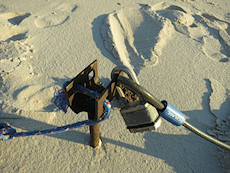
[95, 129]
[131, 74]
[94, 135]
[109, 93]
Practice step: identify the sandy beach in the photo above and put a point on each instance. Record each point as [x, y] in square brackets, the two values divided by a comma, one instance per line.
[179, 50]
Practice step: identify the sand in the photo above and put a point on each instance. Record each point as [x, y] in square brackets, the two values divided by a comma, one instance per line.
[179, 50]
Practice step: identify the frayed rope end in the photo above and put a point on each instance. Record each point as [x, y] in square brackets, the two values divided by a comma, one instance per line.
[60, 100]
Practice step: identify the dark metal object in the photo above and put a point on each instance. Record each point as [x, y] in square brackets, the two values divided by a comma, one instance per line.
[139, 116]
[93, 106]
[161, 108]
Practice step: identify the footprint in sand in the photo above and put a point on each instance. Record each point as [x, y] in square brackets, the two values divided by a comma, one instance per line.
[13, 50]
[9, 26]
[12, 54]
[212, 47]
[57, 16]
[216, 44]
[136, 36]
[210, 31]
[34, 97]
[32, 92]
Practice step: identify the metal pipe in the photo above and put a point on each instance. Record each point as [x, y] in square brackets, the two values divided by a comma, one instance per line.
[125, 69]
[206, 136]
[94, 135]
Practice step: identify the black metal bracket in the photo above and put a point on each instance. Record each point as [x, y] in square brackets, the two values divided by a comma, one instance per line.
[94, 106]
[81, 102]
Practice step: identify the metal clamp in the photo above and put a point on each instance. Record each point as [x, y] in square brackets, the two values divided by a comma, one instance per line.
[118, 71]
[139, 115]
[142, 92]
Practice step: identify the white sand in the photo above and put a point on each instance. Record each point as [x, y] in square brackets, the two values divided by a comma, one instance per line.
[180, 51]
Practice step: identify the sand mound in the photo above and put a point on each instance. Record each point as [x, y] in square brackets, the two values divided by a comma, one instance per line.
[136, 37]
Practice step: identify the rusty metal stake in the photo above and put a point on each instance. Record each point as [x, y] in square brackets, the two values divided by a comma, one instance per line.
[108, 93]
[94, 135]
[79, 102]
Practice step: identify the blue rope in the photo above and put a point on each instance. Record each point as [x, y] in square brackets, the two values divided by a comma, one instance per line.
[10, 132]
[60, 100]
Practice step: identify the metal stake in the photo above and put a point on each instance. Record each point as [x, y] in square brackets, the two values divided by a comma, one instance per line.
[78, 102]
[94, 135]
